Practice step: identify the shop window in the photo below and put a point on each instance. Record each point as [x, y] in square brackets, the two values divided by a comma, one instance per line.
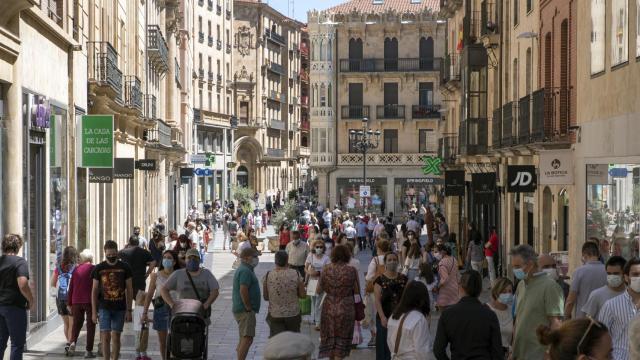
[619, 32]
[349, 195]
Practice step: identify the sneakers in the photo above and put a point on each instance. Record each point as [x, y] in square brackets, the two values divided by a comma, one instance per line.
[89, 355]
[66, 349]
[71, 349]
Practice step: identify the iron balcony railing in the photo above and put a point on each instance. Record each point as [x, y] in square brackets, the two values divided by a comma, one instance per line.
[201, 75]
[160, 135]
[305, 125]
[150, 107]
[275, 37]
[450, 71]
[425, 111]
[133, 92]
[355, 111]
[218, 9]
[219, 44]
[538, 116]
[496, 128]
[524, 120]
[275, 153]
[390, 111]
[275, 67]
[219, 79]
[228, 48]
[210, 41]
[200, 37]
[103, 66]
[177, 73]
[210, 4]
[390, 64]
[157, 49]
[197, 118]
[509, 118]
[276, 124]
[210, 76]
[557, 113]
[473, 136]
[448, 148]
[228, 14]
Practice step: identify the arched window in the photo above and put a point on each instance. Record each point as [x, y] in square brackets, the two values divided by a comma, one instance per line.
[321, 50]
[329, 95]
[355, 54]
[329, 50]
[323, 96]
[391, 54]
[426, 53]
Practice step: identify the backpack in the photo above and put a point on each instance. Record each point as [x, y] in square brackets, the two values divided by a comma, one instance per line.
[64, 279]
[379, 271]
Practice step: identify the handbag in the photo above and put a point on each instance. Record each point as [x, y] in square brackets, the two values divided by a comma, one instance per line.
[399, 336]
[305, 306]
[207, 312]
[312, 286]
[358, 308]
[158, 302]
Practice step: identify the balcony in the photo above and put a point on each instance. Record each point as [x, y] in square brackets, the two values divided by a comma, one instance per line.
[472, 136]
[157, 49]
[275, 37]
[488, 18]
[471, 26]
[276, 96]
[450, 71]
[524, 120]
[210, 41]
[383, 159]
[177, 138]
[277, 124]
[103, 67]
[425, 112]
[177, 73]
[304, 76]
[201, 75]
[275, 153]
[150, 107]
[448, 148]
[209, 5]
[305, 125]
[200, 37]
[160, 135]
[304, 101]
[390, 111]
[250, 122]
[133, 92]
[210, 77]
[219, 79]
[496, 129]
[197, 116]
[302, 152]
[219, 44]
[551, 115]
[201, 2]
[390, 65]
[274, 67]
[321, 159]
[228, 48]
[228, 14]
[304, 49]
[219, 9]
[509, 120]
[355, 111]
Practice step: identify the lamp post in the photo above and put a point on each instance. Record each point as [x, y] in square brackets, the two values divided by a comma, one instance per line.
[362, 141]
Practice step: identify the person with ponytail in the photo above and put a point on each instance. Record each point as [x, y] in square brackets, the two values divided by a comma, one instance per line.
[580, 339]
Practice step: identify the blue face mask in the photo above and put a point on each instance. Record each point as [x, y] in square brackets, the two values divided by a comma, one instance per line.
[506, 299]
[193, 265]
[167, 263]
[519, 274]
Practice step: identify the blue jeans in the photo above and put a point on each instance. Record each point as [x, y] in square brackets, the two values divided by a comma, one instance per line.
[111, 320]
[13, 324]
[382, 349]
[316, 309]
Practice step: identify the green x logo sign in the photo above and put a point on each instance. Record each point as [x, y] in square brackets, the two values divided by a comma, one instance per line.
[211, 159]
[431, 165]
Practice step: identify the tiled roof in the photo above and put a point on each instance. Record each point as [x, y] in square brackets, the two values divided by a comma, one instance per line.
[399, 6]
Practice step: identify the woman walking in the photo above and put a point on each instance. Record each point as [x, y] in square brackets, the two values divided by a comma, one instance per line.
[79, 301]
[283, 236]
[501, 303]
[448, 278]
[161, 311]
[60, 284]
[282, 289]
[475, 251]
[409, 337]
[315, 262]
[340, 282]
[388, 289]
[411, 266]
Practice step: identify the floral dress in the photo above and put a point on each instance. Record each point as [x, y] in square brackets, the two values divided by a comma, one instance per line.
[338, 314]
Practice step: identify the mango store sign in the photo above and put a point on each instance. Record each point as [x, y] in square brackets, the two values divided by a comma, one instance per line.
[95, 141]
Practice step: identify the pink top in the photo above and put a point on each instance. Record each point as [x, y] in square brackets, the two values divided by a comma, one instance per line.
[449, 282]
[81, 284]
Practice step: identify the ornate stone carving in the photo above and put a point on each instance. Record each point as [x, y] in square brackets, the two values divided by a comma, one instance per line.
[243, 37]
[243, 74]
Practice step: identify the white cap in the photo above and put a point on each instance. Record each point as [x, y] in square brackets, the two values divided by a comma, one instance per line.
[289, 345]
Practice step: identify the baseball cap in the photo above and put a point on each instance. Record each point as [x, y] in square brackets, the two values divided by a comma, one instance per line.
[193, 252]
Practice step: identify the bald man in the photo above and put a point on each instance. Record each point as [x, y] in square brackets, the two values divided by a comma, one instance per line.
[548, 264]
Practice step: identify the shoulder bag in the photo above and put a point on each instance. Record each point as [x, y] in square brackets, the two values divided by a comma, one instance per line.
[207, 312]
[399, 336]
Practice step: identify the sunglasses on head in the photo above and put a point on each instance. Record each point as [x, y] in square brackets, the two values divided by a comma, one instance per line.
[592, 322]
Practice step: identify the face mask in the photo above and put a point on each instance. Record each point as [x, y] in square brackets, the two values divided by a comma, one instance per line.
[634, 284]
[183, 245]
[112, 259]
[391, 266]
[167, 263]
[519, 274]
[136, 233]
[254, 262]
[552, 273]
[193, 265]
[319, 251]
[505, 299]
[614, 280]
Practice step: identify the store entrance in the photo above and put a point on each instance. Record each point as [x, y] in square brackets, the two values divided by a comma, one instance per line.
[35, 249]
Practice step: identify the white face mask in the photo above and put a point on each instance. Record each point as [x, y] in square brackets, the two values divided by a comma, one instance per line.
[614, 280]
[634, 284]
[552, 273]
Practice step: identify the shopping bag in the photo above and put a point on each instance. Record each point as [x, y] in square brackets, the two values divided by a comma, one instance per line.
[305, 306]
[312, 287]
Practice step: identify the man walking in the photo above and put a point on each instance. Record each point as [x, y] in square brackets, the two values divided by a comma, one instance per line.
[298, 251]
[246, 300]
[112, 296]
[615, 286]
[142, 241]
[141, 263]
[539, 302]
[586, 278]
[327, 217]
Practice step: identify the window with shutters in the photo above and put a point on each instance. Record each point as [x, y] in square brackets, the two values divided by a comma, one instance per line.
[427, 140]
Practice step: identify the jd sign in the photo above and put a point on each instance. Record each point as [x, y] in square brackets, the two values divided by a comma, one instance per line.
[431, 165]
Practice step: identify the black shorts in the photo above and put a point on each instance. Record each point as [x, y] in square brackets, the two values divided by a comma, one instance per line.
[62, 307]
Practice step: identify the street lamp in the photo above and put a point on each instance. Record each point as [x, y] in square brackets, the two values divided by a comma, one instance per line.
[362, 141]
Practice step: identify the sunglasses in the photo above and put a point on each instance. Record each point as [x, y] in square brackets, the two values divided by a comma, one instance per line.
[592, 322]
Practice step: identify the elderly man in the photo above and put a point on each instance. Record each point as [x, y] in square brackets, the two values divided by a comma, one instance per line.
[539, 301]
[549, 265]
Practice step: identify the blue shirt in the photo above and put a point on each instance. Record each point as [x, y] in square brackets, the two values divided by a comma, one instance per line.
[245, 276]
[361, 229]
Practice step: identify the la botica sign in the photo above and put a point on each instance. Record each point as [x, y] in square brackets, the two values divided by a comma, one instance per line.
[95, 141]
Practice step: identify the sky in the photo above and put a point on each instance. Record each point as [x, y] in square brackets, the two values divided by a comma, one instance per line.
[301, 6]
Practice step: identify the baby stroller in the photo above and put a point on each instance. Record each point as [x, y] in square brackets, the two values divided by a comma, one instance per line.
[188, 331]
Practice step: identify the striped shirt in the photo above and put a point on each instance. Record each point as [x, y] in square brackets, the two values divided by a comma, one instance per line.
[616, 314]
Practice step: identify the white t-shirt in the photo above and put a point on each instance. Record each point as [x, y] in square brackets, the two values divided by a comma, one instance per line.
[415, 341]
[317, 264]
[505, 319]
[350, 232]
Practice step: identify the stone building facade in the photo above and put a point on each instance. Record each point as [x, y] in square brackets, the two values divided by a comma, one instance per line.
[371, 62]
[267, 61]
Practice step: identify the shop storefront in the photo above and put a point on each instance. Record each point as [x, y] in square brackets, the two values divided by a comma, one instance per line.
[349, 195]
[417, 191]
[613, 207]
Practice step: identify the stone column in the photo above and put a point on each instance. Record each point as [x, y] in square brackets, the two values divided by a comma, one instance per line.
[13, 188]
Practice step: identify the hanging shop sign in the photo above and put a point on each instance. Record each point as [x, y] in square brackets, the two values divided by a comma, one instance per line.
[203, 172]
[431, 165]
[597, 174]
[556, 167]
[454, 183]
[618, 172]
[95, 141]
[101, 175]
[146, 165]
[484, 187]
[185, 175]
[123, 168]
[419, 181]
[521, 179]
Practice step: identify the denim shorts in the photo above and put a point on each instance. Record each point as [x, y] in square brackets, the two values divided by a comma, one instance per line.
[161, 318]
[111, 320]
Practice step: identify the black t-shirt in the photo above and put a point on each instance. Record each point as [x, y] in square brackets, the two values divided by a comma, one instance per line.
[12, 267]
[113, 284]
[137, 258]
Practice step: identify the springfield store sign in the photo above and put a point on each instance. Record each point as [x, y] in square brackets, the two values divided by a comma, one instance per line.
[95, 141]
